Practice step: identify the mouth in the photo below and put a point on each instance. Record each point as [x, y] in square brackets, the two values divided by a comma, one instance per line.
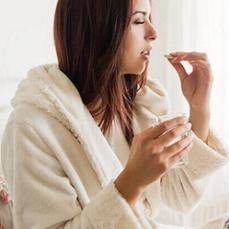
[145, 55]
[146, 52]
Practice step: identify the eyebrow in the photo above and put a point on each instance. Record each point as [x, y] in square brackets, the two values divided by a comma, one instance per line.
[140, 12]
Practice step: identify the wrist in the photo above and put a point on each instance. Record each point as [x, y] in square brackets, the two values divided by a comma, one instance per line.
[128, 189]
[200, 109]
[200, 123]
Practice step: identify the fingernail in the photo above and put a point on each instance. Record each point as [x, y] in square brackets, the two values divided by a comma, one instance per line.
[168, 56]
[172, 53]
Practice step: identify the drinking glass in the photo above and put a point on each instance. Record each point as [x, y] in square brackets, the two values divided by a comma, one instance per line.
[159, 119]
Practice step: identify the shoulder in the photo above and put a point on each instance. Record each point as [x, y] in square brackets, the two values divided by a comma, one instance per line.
[32, 133]
[29, 114]
[29, 119]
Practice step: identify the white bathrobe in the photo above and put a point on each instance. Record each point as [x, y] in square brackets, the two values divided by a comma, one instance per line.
[60, 168]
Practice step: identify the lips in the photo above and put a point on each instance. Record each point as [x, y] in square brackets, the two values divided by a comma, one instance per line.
[146, 52]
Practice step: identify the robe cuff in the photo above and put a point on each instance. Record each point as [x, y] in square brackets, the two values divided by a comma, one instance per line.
[204, 159]
[109, 209]
[213, 141]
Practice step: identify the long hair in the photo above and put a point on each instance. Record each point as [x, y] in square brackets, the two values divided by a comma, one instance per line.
[89, 39]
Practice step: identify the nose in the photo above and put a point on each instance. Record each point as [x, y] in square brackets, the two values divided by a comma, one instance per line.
[151, 33]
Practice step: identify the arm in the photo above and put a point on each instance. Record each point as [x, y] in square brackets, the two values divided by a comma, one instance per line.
[200, 123]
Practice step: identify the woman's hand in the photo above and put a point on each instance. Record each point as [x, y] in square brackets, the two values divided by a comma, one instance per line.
[196, 88]
[197, 85]
[152, 154]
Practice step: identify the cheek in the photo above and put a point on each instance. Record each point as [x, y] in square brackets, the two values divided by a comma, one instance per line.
[132, 61]
[135, 40]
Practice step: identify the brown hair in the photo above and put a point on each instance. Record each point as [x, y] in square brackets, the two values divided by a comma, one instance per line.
[89, 38]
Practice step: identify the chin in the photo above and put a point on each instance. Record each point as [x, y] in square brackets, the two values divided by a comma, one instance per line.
[140, 70]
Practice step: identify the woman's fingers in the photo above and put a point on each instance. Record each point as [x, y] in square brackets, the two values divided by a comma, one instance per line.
[178, 56]
[201, 64]
[178, 146]
[154, 132]
[173, 134]
[179, 155]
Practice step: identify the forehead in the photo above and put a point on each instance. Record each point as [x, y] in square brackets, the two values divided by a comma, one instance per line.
[142, 5]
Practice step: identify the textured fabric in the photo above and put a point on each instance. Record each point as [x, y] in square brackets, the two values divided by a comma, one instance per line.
[60, 167]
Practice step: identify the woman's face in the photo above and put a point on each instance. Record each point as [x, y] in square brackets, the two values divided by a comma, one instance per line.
[139, 39]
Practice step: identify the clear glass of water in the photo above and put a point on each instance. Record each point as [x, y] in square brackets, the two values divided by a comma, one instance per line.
[157, 120]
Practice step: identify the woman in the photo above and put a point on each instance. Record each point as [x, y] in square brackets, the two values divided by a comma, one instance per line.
[79, 149]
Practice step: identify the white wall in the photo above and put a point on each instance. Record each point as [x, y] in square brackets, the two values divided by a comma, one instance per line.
[26, 36]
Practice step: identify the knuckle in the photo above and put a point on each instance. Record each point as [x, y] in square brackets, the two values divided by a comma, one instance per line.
[156, 145]
[153, 149]
[162, 162]
[164, 165]
[159, 159]
[164, 125]
[175, 148]
[172, 149]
